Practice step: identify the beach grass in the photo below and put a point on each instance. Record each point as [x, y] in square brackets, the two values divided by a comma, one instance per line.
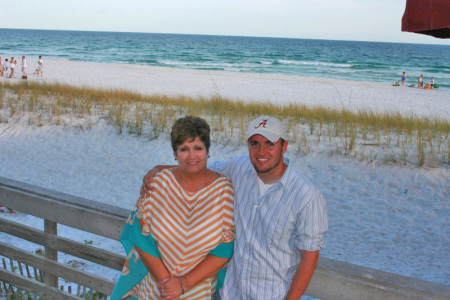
[363, 134]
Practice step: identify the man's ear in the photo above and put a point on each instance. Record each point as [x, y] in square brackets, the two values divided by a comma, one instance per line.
[285, 146]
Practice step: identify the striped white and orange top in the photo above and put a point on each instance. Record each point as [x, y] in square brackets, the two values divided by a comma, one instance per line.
[186, 227]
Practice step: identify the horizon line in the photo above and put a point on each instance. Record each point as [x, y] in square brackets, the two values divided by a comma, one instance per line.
[224, 35]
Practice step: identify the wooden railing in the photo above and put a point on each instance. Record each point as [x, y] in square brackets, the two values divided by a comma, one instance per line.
[57, 208]
[332, 280]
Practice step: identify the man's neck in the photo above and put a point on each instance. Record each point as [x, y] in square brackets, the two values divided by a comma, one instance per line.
[272, 177]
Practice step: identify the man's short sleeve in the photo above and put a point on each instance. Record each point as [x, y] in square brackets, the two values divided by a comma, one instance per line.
[312, 222]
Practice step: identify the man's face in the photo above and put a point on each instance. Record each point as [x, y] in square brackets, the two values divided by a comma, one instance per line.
[266, 156]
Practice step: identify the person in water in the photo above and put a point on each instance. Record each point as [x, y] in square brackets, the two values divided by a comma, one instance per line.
[403, 78]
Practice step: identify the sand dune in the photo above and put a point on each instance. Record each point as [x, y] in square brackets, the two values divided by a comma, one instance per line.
[280, 89]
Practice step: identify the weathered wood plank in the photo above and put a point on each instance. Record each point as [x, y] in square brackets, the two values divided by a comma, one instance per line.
[63, 197]
[97, 283]
[28, 271]
[91, 253]
[34, 287]
[91, 216]
[51, 228]
[340, 280]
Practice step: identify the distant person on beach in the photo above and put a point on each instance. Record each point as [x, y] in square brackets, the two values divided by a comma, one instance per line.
[24, 66]
[181, 234]
[420, 81]
[281, 218]
[40, 67]
[432, 82]
[11, 62]
[403, 78]
[13, 67]
[5, 67]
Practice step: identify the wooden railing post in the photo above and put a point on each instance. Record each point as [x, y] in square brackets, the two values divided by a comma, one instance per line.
[50, 253]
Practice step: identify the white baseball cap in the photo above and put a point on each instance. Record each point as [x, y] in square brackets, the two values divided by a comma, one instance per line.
[269, 127]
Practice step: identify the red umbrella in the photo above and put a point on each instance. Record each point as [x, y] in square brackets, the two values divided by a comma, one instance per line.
[431, 17]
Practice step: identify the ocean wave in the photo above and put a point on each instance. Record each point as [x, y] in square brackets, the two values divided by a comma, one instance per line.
[211, 69]
[313, 63]
[438, 70]
[12, 45]
[196, 64]
[139, 61]
[369, 66]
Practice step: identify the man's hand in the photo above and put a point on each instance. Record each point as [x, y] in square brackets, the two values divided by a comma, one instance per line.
[146, 187]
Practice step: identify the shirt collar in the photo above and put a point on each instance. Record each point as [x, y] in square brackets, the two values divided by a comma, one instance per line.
[286, 175]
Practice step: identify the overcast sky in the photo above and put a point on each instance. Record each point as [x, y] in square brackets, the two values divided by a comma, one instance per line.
[359, 20]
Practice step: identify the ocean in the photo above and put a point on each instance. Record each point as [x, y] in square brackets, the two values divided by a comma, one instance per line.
[348, 60]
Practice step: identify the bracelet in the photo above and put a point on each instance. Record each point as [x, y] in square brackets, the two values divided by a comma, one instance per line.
[182, 287]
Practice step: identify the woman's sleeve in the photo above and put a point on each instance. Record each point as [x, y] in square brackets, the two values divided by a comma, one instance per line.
[134, 269]
[226, 247]
[223, 250]
[132, 236]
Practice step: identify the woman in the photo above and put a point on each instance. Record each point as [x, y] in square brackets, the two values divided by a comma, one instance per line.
[420, 81]
[181, 235]
[12, 67]
[24, 66]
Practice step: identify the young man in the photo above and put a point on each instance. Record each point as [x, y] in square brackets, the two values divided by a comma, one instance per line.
[280, 219]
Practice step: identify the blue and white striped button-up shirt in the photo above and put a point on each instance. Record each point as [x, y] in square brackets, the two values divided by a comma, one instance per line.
[270, 230]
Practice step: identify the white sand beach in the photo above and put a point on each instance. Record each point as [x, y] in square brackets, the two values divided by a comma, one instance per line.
[391, 217]
[279, 89]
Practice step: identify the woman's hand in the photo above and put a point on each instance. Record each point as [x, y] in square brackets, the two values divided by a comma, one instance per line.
[170, 288]
[146, 187]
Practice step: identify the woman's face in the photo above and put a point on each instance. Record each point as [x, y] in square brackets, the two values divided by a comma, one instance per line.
[192, 156]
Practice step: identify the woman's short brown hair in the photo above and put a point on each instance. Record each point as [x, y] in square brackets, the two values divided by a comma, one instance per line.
[188, 128]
